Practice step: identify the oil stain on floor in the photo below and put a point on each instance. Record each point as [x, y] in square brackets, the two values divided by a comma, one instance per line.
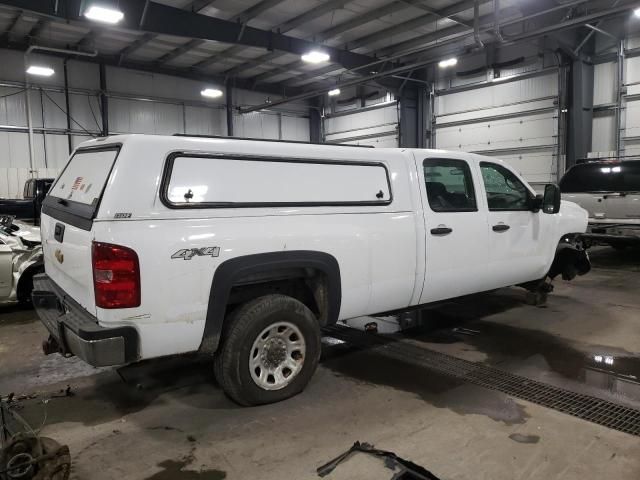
[174, 470]
[520, 438]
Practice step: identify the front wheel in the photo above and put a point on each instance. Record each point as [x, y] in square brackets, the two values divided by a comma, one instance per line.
[269, 352]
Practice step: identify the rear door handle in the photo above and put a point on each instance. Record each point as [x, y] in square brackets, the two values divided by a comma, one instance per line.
[441, 231]
[501, 227]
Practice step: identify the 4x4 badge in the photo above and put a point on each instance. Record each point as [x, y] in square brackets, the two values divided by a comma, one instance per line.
[189, 253]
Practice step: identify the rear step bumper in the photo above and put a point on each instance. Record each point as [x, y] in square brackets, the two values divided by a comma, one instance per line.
[77, 332]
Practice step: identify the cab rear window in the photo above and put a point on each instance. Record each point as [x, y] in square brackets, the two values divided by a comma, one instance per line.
[602, 177]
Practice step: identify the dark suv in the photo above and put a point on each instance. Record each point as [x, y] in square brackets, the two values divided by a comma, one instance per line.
[609, 189]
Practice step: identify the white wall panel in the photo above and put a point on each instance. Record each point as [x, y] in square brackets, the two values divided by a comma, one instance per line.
[85, 109]
[524, 131]
[604, 83]
[537, 167]
[604, 132]
[632, 115]
[54, 117]
[139, 102]
[295, 128]
[378, 126]
[206, 121]
[498, 94]
[12, 107]
[516, 121]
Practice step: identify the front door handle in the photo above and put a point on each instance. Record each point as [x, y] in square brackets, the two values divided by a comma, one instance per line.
[501, 227]
[441, 231]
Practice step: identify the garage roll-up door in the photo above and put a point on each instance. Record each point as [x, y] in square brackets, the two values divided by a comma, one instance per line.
[516, 121]
[375, 125]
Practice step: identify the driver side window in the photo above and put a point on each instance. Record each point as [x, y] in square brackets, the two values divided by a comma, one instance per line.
[504, 190]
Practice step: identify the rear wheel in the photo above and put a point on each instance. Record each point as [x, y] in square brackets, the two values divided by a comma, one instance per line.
[269, 351]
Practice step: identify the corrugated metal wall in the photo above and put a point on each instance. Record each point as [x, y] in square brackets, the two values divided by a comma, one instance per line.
[606, 120]
[375, 123]
[139, 102]
[516, 121]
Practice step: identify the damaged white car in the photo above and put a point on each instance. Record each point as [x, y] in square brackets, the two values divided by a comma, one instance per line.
[20, 259]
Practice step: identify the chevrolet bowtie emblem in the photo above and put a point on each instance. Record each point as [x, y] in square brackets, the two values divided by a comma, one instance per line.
[59, 255]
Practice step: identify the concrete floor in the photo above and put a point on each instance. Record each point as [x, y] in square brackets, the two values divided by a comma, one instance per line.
[170, 421]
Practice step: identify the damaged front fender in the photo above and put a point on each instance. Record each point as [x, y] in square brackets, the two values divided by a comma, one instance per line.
[571, 260]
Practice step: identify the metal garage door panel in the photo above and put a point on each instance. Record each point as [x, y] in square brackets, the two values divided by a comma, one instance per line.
[525, 131]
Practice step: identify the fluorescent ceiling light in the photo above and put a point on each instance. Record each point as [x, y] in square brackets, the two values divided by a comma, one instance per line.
[315, 56]
[38, 70]
[334, 92]
[636, 12]
[103, 14]
[211, 92]
[449, 62]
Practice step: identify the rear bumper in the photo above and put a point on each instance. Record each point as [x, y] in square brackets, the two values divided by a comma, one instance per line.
[77, 331]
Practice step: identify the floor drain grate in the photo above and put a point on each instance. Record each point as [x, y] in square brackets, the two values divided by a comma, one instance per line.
[585, 407]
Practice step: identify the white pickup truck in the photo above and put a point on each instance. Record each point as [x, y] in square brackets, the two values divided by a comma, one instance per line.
[243, 250]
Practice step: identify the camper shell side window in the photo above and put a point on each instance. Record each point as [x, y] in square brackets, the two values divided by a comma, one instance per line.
[195, 180]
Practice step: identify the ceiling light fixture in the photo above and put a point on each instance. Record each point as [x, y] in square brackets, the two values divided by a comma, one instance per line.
[103, 14]
[211, 93]
[636, 12]
[449, 62]
[315, 56]
[39, 70]
[334, 92]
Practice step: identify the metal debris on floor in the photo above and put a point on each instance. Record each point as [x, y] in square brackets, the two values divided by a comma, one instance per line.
[24, 454]
[407, 469]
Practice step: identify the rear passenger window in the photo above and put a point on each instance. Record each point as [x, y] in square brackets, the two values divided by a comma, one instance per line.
[242, 181]
[449, 185]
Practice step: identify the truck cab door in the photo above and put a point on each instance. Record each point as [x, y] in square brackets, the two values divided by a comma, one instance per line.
[520, 238]
[6, 270]
[456, 235]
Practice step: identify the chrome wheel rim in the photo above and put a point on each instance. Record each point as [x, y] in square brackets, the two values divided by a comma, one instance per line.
[277, 356]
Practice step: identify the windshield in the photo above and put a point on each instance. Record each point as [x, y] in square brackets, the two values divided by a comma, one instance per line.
[602, 177]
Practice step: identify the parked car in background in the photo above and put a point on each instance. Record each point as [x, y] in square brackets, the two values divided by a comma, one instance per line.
[610, 191]
[20, 259]
[27, 208]
[243, 250]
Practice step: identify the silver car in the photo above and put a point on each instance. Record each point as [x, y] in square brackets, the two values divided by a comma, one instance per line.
[610, 191]
[20, 259]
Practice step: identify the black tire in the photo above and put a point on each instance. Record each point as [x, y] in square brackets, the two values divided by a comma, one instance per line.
[25, 287]
[242, 327]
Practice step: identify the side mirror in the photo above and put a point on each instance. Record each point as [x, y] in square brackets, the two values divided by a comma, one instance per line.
[551, 200]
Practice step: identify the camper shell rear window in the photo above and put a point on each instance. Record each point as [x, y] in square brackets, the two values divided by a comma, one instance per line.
[75, 196]
[233, 181]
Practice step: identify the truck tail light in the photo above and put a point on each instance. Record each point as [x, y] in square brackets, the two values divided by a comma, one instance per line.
[116, 276]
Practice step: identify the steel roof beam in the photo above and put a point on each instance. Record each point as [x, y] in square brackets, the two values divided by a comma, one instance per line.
[37, 28]
[447, 12]
[325, 35]
[166, 20]
[196, 7]
[285, 27]
[113, 60]
[12, 26]
[242, 18]
[393, 7]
